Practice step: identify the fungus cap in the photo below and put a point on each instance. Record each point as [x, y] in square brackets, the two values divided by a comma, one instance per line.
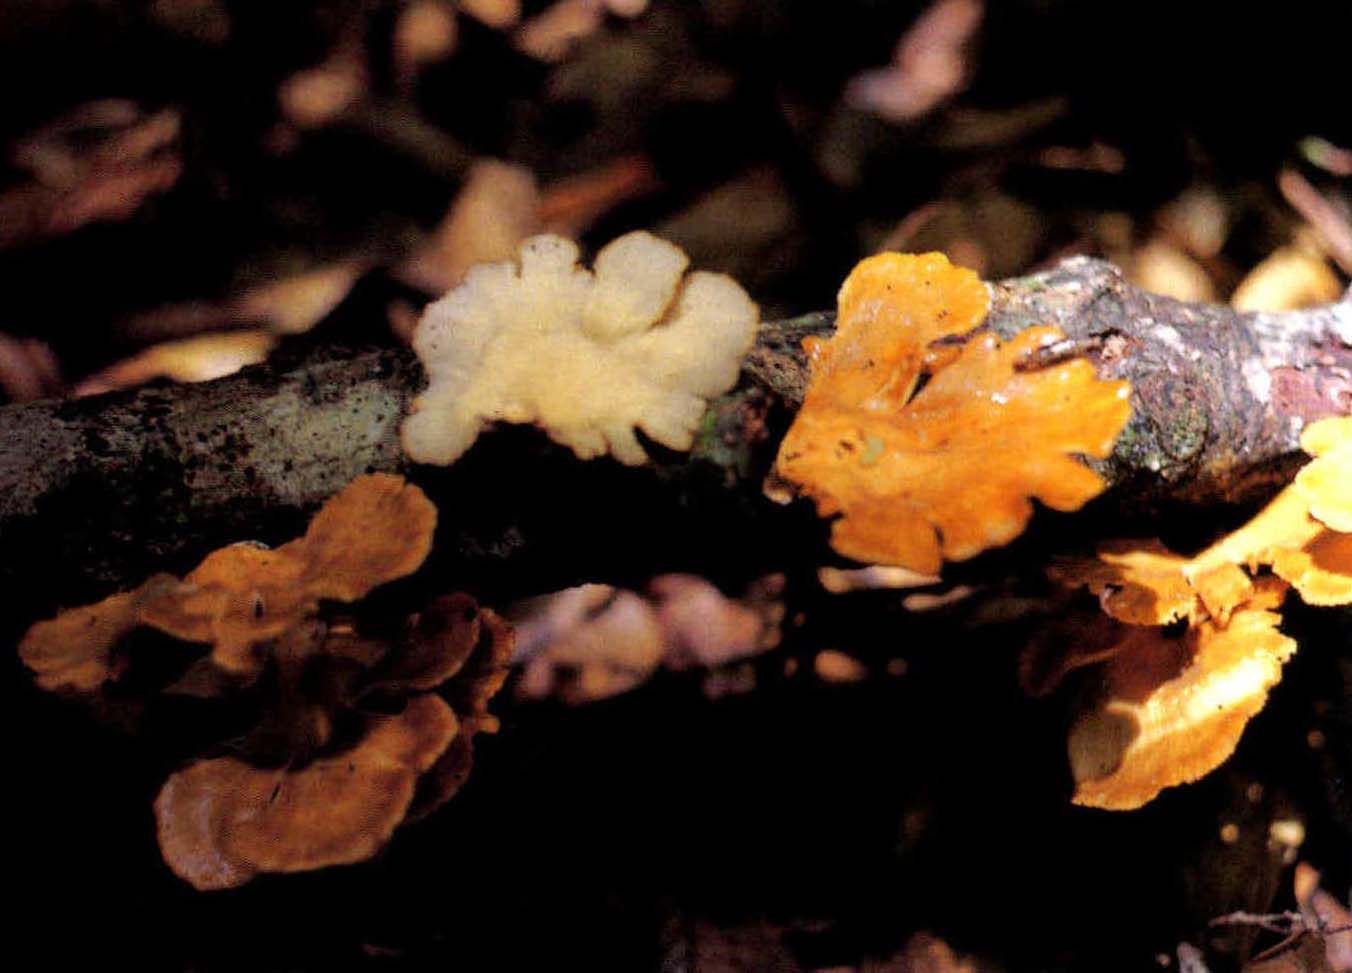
[587, 355]
[1174, 709]
[222, 821]
[949, 471]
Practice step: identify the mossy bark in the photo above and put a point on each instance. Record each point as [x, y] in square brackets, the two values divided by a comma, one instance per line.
[97, 493]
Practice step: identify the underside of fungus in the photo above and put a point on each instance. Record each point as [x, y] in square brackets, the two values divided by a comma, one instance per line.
[1173, 708]
[587, 354]
[946, 472]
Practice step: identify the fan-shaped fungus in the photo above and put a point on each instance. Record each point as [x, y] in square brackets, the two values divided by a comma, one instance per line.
[588, 355]
[222, 821]
[946, 472]
[299, 791]
[1173, 709]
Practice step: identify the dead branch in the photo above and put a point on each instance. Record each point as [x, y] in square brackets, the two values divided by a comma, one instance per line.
[97, 493]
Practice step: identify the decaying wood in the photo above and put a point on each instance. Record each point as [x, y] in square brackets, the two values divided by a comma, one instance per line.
[97, 493]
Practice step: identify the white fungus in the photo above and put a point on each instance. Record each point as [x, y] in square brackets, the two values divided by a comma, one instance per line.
[587, 355]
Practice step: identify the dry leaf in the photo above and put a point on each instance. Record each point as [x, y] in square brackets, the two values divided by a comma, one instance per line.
[495, 210]
[834, 666]
[498, 14]
[201, 358]
[317, 96]
[425, 32]
[295, 304]
[1290, 278]
[1162, 268]
[930, 64]
[28, 369]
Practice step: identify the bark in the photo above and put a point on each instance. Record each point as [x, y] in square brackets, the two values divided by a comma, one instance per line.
[97, 493]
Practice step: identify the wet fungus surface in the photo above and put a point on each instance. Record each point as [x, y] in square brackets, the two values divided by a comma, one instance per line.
[920, 474]
[1170, 708]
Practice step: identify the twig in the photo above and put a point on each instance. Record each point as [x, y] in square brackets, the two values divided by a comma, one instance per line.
[101, 492]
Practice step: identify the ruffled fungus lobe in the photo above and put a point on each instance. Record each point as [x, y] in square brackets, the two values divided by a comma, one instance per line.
[1321, 570]
[222, 821]
[300, 790]
[1303, 533]
[588, 355]
[947, 472]
[1140, 582]
[74, 650]
[377, 529]
[1173, 709]
[1325, 483]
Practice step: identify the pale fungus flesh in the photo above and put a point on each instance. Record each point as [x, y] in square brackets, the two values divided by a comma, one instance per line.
[588, 355]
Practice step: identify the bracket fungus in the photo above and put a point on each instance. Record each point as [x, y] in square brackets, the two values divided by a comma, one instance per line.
[1140, 582]
[1173, 709]
[948, 471]
[586, 354]
[376, 530]
[222, 821]
[357, 729]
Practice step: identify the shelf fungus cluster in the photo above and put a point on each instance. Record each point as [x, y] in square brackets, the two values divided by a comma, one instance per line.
[587, 354]
[1170, 707]
[345, 723]
[930, 445]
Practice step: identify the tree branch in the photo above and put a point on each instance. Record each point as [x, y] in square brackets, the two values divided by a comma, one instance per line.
[97, 493]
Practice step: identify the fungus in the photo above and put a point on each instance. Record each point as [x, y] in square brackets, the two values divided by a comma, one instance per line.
[300, 790]
[376, 530]
[1140, 582]
[949, 471]
[74, 650]
[1173, 709]
[1321, 570]
[588, 355]
[1305, 533]
[1325, 483]
[222, 821]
